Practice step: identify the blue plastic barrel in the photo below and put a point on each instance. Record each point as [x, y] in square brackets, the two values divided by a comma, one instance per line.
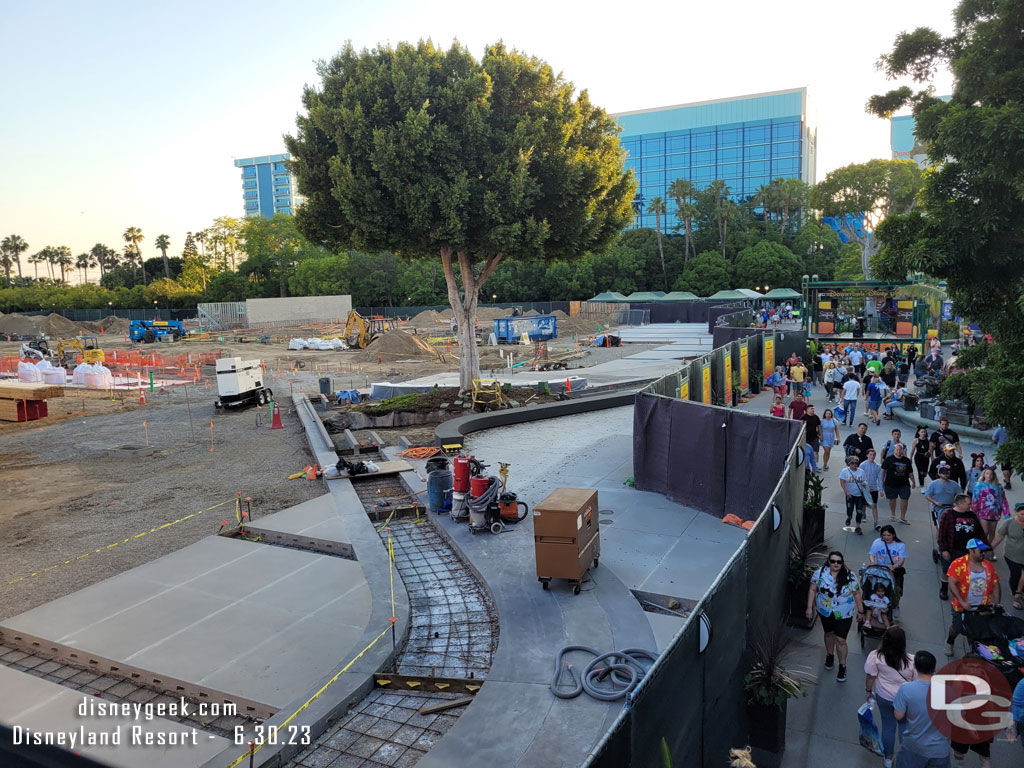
[439, 490]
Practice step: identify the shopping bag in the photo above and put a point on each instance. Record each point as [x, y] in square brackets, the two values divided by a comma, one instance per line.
[839, 412]
[869, 738]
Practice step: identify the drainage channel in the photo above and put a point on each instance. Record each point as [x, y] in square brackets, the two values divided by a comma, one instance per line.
[453, 632]
[115, 688]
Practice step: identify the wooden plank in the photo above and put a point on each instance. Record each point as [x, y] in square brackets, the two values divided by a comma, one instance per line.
[386, 468]
[18, 390]
[443, 705]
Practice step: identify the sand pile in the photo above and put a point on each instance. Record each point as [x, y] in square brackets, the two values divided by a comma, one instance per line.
[395, 345]
[429, 317]
[21, 325]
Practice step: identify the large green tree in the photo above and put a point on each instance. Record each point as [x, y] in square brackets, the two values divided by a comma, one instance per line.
[427, 152]
[860, 196]
[705, 274]
[969, 230]
[767, 263]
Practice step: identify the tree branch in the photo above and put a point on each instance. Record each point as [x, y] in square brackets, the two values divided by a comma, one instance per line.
[489, 267]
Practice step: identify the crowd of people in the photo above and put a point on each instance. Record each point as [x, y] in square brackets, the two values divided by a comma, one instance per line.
[968, 507]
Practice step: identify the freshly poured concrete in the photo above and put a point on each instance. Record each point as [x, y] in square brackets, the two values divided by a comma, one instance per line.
[647, 543]
[48, 708]
[252, 621]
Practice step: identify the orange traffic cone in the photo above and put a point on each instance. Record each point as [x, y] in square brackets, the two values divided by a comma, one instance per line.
[142, 399]
[275, 423]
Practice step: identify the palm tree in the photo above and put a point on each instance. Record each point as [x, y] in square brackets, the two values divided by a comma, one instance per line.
[85, 262]
[7, 262]
[35, 259]
[791, 195]
[767, 196]
[200, 237]
[62, 258]
[163, 242]
[133, 236]
[129, 257]
[51, 259]
[14, 246]
[104, 256]
[657, 207]
[682, 190]
[720, 194]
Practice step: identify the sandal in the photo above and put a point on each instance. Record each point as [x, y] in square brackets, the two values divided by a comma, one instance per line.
[905, 522]
[1017, 597]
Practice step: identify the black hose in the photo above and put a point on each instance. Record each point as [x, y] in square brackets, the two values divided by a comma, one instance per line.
[619, 676]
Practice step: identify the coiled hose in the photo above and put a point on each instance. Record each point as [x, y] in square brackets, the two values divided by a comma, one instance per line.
[619, 676]
[481, 502]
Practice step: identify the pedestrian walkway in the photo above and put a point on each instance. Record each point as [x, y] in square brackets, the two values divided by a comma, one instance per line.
[822, 728]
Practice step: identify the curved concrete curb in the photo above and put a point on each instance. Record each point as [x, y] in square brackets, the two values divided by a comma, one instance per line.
[357, 682]
[453, 430]
[916, 419]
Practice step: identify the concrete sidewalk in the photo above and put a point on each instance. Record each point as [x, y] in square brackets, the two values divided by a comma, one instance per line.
[822, 728]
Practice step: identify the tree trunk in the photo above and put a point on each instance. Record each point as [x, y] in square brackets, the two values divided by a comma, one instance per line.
[464, 310]
[689, 238]
[142, 264]
[17, 259]
[167, 264]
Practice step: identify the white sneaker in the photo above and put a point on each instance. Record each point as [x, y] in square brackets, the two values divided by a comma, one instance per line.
[887, 762]
[923, 490]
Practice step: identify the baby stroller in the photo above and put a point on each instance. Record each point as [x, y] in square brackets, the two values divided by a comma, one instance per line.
[996, 638]
[870, 577]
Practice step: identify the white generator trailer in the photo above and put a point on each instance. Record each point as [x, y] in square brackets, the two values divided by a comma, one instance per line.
[240, 382]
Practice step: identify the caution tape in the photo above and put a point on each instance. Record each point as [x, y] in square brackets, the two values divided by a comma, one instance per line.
[314, 697]
[117, 543]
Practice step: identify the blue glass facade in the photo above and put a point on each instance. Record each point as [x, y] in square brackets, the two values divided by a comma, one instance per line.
[746, 142]
[267, 187]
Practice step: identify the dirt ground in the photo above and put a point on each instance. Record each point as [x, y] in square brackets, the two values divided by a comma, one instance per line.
[65, 497]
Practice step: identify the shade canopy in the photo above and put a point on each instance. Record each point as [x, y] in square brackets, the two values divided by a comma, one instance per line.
[734, 295]
[783, 293]
[609, 297]
[750, 293]
[642, 296]
[680, 296]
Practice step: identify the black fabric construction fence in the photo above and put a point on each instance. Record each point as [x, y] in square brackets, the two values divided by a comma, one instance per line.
[722, 310]
[683, 311]
[722, 335]
[717, 460]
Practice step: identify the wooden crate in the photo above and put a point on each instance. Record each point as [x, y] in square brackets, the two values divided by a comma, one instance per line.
[18, 390]
[22, 410]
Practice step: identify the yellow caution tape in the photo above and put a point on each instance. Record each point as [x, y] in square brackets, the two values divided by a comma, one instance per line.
[315, 696]
[117, 543]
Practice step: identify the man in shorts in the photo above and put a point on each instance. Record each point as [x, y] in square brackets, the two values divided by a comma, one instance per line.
[898, 480]
[813, 423]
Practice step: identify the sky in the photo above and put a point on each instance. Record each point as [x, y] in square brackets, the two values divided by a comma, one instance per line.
[120, 114]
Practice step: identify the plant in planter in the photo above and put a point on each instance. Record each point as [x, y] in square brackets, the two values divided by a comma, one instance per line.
[769, 685]
[756, 377]
[807, 553]
[736, 387]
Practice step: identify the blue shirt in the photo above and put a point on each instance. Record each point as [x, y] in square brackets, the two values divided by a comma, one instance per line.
[943, 491]
[917, 732]
[1017, 708]
[999, 436]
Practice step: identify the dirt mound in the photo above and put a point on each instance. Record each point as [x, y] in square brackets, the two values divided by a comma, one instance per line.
[59, 326]
[532, 312]
[21, 325]
[427, 318]
[113, 324]
[394, 345]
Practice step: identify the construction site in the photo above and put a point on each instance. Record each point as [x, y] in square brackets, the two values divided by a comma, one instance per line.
[297, 543]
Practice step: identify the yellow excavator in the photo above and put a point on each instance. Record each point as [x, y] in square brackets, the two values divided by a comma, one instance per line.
[86, 346]
[359, 331]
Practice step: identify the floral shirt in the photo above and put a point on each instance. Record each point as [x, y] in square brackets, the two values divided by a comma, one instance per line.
[831, 601]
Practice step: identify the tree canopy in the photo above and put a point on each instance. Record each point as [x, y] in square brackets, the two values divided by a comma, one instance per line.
[862, 195]
[422, 151]
[969, 230]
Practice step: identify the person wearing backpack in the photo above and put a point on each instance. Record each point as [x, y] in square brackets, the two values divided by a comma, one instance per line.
[886, 669]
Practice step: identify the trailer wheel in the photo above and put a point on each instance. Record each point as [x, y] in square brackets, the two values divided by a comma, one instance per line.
[269, 394]
[148, 337]
[176, 337]
[261, 398]
[575, 589]
[544, 584]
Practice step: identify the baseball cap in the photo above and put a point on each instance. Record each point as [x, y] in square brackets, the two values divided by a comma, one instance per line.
[977, 544]
[948, 447]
